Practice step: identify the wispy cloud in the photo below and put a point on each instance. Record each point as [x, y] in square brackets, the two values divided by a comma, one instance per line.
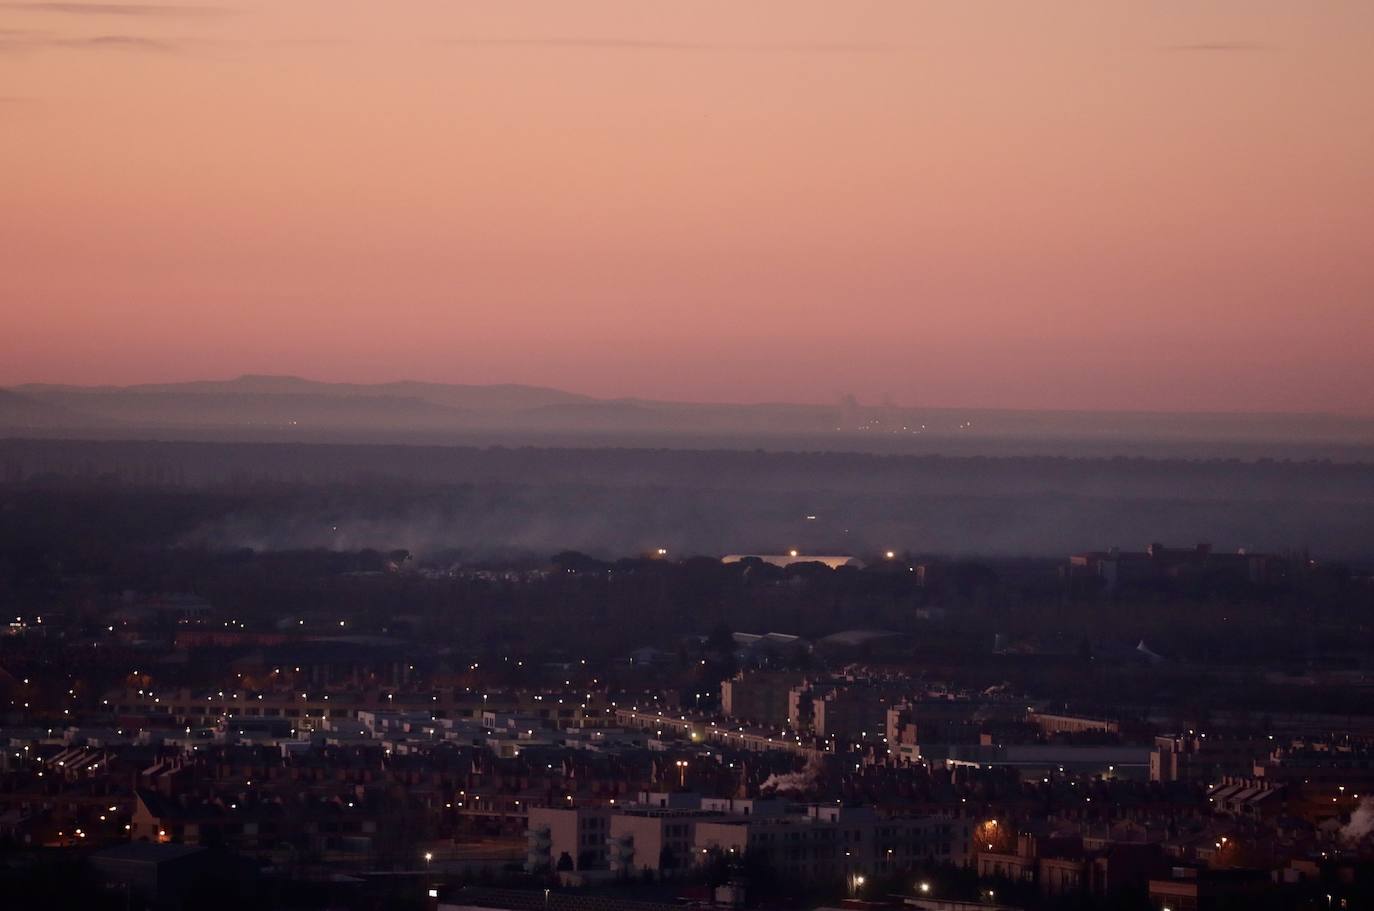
[141, 43]
[18, 106]
[124, 42]
[135, 10]
[1220, 47]
[308, 42]
[637, 44]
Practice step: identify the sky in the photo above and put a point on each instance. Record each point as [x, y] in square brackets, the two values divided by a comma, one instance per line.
[1106, 204]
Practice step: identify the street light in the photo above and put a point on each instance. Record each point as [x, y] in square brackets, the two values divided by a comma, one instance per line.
[925, 888]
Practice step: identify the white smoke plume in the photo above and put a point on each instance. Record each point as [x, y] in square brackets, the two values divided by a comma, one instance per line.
[1361, 822]
[796, 782]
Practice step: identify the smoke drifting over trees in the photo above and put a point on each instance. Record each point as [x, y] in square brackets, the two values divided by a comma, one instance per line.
[497, 500]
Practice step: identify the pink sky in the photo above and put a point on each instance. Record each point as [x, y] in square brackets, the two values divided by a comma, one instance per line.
[1115, 204]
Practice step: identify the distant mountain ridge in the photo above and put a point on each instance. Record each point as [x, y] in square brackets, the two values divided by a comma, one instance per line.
[291, 401]
[20, 411]
[281, 402]
[451, 395]
[292, 407]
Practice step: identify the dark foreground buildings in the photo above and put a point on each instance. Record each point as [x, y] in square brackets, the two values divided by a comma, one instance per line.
[1175, 729]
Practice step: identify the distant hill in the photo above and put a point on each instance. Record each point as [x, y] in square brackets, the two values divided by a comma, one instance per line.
[493, 397]
[21, 412]
[623, 415]
[288, 401]
[293, 408]
[295, 402]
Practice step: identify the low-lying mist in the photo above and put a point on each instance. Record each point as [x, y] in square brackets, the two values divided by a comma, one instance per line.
[485, 522]
[485, 502]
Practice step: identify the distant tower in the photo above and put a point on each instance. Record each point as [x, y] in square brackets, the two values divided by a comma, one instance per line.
[850, 417]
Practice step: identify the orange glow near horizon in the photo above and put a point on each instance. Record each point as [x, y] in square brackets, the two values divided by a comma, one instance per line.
[1049, 205]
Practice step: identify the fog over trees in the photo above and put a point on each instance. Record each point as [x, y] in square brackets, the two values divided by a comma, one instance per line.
[503, 500]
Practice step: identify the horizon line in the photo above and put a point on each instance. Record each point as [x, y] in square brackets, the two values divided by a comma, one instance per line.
[17, 389]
